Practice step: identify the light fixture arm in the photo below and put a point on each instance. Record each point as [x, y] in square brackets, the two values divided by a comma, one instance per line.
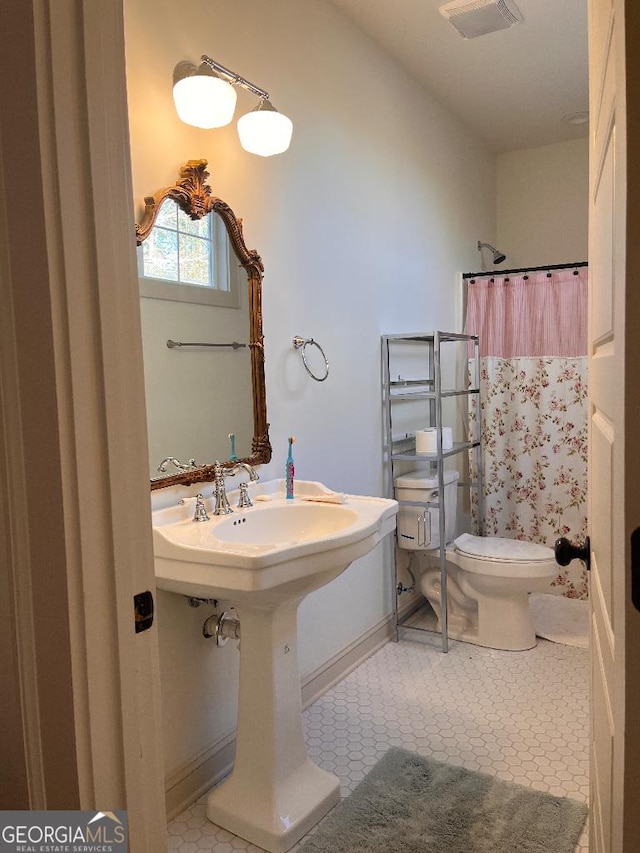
[232, 77]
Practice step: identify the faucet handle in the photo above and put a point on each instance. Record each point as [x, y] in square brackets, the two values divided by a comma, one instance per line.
[200, 510]
[244, 501]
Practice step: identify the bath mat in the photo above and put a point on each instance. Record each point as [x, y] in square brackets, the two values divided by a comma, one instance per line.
[559, 619]
[411, 804]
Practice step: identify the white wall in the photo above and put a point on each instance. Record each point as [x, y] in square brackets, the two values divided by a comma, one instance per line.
[362, 227]
[542, 204]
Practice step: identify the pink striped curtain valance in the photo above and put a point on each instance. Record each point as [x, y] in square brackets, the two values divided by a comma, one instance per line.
[529, 314]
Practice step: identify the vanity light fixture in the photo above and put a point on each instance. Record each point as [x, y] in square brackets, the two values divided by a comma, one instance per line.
[204, 97]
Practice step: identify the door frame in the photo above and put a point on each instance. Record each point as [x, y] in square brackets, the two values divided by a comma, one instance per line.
[74, 499]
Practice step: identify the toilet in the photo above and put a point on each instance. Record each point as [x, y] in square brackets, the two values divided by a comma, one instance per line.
[488, 578]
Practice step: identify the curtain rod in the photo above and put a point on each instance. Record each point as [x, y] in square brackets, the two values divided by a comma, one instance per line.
[526, 269]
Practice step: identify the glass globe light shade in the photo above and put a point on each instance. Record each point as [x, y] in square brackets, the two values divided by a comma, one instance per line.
[204, 100]
[265, 131]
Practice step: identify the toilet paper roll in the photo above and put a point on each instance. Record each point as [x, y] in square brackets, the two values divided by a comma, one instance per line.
[426, 440]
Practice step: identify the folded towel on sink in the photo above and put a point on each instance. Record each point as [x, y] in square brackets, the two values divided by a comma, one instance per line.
[326, 498]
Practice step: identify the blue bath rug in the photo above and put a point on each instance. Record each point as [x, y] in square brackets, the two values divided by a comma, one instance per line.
[411, 804]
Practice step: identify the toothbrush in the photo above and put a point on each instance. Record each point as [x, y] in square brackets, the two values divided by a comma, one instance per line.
[232, 438]
[289, 470]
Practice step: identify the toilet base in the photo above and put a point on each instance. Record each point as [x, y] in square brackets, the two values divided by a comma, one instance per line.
[505, 623]
[486, 618]
[429, 621]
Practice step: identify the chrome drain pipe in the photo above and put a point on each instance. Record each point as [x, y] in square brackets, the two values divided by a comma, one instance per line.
[224, 627]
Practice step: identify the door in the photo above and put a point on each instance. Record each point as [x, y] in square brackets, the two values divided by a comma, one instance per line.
[75, 539]
[614, 495]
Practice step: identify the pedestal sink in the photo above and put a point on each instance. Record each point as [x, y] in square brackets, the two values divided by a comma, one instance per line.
[263, 560]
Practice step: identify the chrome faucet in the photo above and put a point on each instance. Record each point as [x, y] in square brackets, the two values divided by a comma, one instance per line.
[251, 471]
[181, 466]
[222, 506]
[222, 502]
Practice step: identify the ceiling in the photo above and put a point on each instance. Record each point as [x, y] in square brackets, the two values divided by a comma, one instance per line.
[512, 87]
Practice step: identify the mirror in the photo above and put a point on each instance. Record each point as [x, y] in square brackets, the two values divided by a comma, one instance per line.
[202, 333]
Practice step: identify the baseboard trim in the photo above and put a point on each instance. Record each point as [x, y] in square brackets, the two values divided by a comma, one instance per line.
[346, 660]
[411, 606]
[185, 785]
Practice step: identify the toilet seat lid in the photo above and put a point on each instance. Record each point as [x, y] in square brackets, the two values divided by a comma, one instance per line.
[502, 550]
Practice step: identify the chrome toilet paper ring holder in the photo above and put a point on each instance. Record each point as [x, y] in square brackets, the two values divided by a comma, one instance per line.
[302, 344]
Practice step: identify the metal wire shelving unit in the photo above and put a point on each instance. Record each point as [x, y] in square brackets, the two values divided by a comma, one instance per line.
[435, 352]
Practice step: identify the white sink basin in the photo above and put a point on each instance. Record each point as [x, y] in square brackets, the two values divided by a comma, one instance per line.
[276, 526]
[287, 524]
[265, 550]
[264, 560]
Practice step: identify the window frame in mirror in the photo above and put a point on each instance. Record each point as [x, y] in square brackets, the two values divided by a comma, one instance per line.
[193, 196]
[178, 290]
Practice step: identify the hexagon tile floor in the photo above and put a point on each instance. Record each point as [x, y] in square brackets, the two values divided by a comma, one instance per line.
[521, 716]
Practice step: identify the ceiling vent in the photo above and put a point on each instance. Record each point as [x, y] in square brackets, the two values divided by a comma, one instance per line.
[473, 18]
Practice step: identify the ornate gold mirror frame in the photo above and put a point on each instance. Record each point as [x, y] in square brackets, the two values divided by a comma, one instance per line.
[193, 196]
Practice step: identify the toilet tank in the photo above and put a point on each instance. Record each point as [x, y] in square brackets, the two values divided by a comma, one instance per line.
[418, 528]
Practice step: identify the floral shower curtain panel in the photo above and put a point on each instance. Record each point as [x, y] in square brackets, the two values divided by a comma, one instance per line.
[533, 399]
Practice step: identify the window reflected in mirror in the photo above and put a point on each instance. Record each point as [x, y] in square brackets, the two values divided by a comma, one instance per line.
[182, 254]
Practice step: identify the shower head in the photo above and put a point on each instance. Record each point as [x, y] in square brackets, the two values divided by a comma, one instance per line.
[498, 257]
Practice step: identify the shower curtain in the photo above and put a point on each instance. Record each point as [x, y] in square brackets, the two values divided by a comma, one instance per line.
[533, 398]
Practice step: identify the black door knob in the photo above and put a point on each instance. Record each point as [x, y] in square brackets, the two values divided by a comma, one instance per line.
[565, 552]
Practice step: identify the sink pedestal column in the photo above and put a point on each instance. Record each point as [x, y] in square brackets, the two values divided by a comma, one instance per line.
[275, 793]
